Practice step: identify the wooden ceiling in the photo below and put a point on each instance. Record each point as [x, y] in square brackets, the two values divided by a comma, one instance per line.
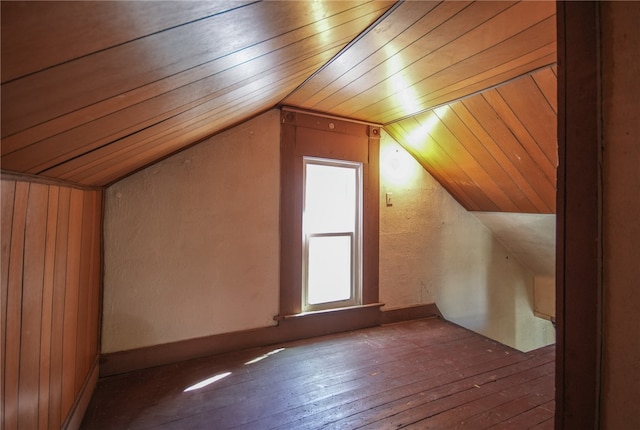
[93, 91]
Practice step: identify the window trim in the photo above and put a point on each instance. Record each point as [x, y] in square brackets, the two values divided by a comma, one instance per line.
[307, 135]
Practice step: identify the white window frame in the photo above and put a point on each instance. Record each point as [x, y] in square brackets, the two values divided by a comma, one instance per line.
[356, 239]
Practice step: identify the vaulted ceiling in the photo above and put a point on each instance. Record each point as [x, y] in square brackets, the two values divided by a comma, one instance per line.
[93, 91]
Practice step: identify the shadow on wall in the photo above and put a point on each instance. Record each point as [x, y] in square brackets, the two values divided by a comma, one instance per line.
[433, 250]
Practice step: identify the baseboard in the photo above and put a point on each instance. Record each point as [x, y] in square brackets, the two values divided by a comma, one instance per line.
[288, 328]
[390, 316]
[74, 419]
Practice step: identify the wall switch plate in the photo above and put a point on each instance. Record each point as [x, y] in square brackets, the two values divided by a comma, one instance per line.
[389, 199]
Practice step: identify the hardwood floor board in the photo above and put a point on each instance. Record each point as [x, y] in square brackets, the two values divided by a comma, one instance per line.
[529, 418]
[347, 380]
[545, 425]
[282, 392]
[335, 407]
[486, 411]
[348, 386]
[509, 409]
[409, 409]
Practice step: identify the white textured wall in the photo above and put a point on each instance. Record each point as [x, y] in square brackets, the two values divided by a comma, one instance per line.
[433, 250]
[192, 248]
[192, 243]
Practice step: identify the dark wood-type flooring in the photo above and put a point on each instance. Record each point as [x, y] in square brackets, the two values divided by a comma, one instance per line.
[422, 374]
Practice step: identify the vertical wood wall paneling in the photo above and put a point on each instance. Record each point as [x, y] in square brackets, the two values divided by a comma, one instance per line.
[47, 307]
[50, 297]
[14, 307]
[70, 325]
[31, 318]
[56, 414]
[6, 217]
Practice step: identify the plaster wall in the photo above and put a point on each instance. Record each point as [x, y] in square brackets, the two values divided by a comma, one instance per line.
[621, 205]
[192, 248]
[433, 250]
[192, 243]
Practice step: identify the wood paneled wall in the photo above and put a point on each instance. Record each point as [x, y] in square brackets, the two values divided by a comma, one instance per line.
[50, 313]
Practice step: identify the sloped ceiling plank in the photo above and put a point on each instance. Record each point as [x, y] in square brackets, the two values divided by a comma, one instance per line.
[514, 123]
[538, 119]
[73, 85]
[423, 140]
[77, 28]
[466, 55]
[480, 42]
[111, 162]
[119, 116]
[547, 80]
[487, 192]
[500, 133]
[366, 83]
[296, 48]
[307, 39]
[108, 73]
[406, 24]
[455, 82]
[480, 148]
[524, 194]
[496, 180]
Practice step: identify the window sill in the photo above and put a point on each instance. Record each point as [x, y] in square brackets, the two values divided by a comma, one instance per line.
[328, 311]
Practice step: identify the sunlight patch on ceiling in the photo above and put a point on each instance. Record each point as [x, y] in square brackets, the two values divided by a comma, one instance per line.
[419, 138]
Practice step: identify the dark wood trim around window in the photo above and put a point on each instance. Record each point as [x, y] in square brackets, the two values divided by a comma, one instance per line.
[305, 134]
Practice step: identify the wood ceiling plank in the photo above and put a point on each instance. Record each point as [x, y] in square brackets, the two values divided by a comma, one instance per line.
[513, 121]
[473, 169]
[502, 159]
[387, 41]
[505, 74]
[547, 82]
[192, 82]
[536, 115]
[491, 67]
[311, 51]
[303, 52]
[427, 136]
[503, 137]
[112, 162]
[91, 79]
[480, 71]
[507, 42]
[402, 132]
[517, 201]
[433, 52]
[39, 35]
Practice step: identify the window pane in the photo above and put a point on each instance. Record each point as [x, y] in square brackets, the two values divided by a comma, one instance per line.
[329, 269]
[330, 199]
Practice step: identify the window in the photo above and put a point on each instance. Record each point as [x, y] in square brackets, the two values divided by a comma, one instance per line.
[331, 234]
[328, 258]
